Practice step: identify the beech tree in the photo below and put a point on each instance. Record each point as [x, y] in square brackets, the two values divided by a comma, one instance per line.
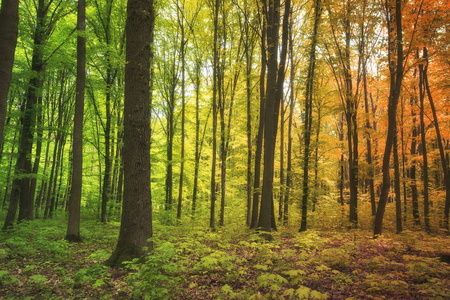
[136, 222]
[395, 53]
[73, 228]
[9, 21]
[274, 93]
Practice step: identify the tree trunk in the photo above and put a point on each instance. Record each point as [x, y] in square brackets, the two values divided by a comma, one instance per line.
[280, 200]
[73, 225]
[197, 132]
[260, 135]
[9, 21]
[248, 48]
[136, 223]
[183, 108]
[396, 74]
[398, 200]
[370, 174]
[212, 218]
[275, 80]
[444, 161]
[21, 187]
[289, 146]
[426, 205]
[412, 171]
[308, 113]
[316, 161]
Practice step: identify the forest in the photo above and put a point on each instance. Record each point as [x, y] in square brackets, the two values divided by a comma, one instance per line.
[224, 149]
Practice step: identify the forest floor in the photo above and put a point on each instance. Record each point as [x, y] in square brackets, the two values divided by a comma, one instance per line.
[191, 263]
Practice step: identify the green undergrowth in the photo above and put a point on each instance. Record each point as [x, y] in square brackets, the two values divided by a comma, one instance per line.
[229, 263]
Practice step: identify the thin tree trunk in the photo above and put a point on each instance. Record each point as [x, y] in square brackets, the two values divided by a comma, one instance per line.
[289, 146]
[308, 113]
[426, 205]
[398, 200]
[281, 199]
[248, 48]
[183, 108]
[316, 161]
[212, 219]
[444, 161]
[412, 171]
[260, 135]
[197, 133]
[73, 224]
[369, 142]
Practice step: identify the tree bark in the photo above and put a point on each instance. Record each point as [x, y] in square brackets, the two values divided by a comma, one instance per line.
[444, 161]
[260, 135]
[212, 218]
[136, 223]
[396, 74]
[426, 201]
[308, 114]
[275, 80]
[73, 225]
[21, 187]
[9, 21]
[183, 109]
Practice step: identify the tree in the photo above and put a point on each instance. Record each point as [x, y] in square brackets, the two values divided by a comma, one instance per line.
[395, 53]
[308, 112]
[136, 222]
[21, 185]
[274, 93]
[9, 21]
[73, 227]
[181, 19]
[212, 218]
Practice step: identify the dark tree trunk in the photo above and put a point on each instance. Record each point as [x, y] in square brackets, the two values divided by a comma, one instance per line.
[170, 134]
[394, 14]
[73, 225]
[106, 190]
[21, 186]
[308, 114]
[197, 133]
[9, 21]
[398, 200]
[212, 218]
[444, 161]
[260, 135]
[183, 108]
[405, 202]
[412, 171]
[275, 80]
[316, 161]
[280, 200]
[426, 205]
[289, 146]
[341, 160]
[370, 174]
[136, 223]
[248, 89]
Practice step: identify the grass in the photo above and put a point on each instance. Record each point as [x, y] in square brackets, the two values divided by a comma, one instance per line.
[231, 263]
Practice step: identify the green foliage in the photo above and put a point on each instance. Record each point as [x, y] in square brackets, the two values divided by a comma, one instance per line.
[94, 274]
[158, 276]
[38, 280]
[272, 281]
[5, 278]
[335, 258]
